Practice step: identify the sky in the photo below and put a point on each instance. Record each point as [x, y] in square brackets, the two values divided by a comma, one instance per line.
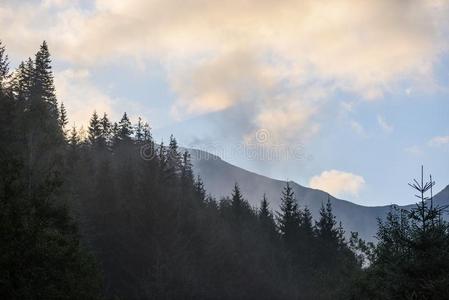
[351, 97]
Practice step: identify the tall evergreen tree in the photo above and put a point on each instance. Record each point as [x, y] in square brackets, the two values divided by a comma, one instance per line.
[266, 217]
[199, 189]
[63, 120]
[139, 131]
[326, 225]
[43, 80]
[94, 130]
[125, 129]
[186, 173]
[147, 133]
[174, 159]
[289, 216]
[4, 66]
[106, 129]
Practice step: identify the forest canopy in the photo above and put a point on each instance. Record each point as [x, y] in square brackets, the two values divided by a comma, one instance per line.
[110, 213]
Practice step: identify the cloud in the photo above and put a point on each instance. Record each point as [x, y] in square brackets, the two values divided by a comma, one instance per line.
[338, 183]
[80, 96]
[218, 55]
[384, 124]
[439, 141]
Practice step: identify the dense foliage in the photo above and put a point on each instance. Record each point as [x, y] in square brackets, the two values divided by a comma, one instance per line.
[156, 234]
[411, 258]
[40, 252]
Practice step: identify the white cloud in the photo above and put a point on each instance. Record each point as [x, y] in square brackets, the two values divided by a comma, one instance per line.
[387, 127]
[439, 141]
[80, 97]
[221, 54]
[338, 183]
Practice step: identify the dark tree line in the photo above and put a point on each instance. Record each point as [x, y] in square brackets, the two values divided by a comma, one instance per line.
[150, 227]
[40, 252]
[411, 258]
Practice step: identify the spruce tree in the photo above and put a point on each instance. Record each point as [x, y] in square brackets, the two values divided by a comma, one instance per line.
[43, 80]
[237, 201]
[106, 129]
[306, 223]
[22, 82]
[266, 216]
[139, 131]
[4, 66]
[288, 218]
[199, 189]
[63, 121]
[326, 225]
[174, 159]
[147, 138]
[125, 129]
[94, 130]
[186, 173]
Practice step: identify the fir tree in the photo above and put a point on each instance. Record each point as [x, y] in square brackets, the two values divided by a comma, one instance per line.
[306, 222]
[139, 131]
[266, 216]
[4, 66]
[125, 128]
[326, 225]
[237, 201]
[63, 121]
[43, 80]
[94, 130]
[74, 138]
[186, 172]
[106, 129]
[147, 138]
[199, 189]
[174, 160]
[289, 216]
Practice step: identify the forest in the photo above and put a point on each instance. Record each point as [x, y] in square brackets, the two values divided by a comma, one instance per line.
[109, 213]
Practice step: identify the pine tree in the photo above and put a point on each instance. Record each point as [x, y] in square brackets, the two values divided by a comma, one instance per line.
[63, 121]
[266, 216]
[289, 217]
[174, 160]
[106, 129]
[22, 82]
[94, 130]
[306, 223]
[139, 131]
[326, 225]
[4, 66]
[200, 191]
[186, 173]
[43, 80]
[125, 129]
[147, 138]
[237, 201]
[74, 138]
[115, 131]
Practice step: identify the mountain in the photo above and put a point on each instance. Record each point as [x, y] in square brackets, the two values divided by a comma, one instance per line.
[220, 176]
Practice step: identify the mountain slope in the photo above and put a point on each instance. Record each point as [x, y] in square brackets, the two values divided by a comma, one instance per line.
[219, 178]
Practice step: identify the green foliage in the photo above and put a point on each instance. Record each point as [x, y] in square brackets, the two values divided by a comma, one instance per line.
[411, 258]
[41, 253]
[148, 223]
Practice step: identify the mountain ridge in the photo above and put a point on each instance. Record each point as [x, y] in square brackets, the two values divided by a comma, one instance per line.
[219, 177]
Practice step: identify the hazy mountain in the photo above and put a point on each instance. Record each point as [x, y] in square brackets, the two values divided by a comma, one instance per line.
[219, 178]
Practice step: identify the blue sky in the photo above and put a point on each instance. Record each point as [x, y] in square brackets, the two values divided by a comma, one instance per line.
[349, 96]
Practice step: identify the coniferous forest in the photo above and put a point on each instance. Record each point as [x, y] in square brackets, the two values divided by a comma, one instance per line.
[109, 213]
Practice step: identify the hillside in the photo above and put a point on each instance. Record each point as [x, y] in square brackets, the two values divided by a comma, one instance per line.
[220, 176]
